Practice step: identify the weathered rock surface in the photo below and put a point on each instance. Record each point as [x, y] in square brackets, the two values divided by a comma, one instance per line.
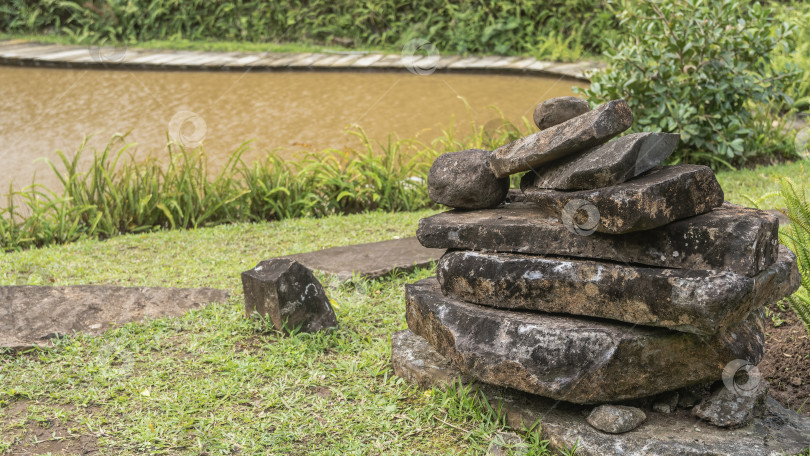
[657, 198]
[464, 180]
[774, 432]
[572, 136]
[666, 402]
[693, 395]
[572, 359]
[695, 301]
[289, 294]
[414, 360]
[729, 238]
[616, 419]
[732, 408]
[555, 111]
[30, 316]
[609, 164]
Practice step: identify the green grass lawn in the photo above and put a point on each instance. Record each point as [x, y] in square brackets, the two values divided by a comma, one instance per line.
[214, 382]
[760, 186]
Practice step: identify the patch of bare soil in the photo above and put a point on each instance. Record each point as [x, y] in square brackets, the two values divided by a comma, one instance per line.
[786, 365]
[54, 436]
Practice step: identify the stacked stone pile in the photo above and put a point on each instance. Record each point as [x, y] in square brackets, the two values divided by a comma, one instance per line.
[608, 278]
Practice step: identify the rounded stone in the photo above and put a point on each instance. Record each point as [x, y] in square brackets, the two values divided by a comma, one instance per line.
[555, 111]
[464, 180]
[616, 419]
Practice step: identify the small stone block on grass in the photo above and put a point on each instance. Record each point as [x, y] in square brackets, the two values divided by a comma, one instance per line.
[289, 294]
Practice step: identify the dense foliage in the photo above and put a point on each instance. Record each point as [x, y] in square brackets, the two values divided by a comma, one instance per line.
[798, 15]
[533, 27]
[702, 69]
[797, 237]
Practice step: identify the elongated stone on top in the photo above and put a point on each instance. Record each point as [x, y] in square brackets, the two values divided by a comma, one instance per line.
[578, 360]
[572, 136]
[729, 238]
[687, 300]
[649, 201]
[609, 164]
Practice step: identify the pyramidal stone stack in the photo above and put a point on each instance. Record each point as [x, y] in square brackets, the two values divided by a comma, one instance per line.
[611, 278]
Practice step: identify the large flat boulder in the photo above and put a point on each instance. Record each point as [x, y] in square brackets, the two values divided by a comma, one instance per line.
[609, 164]
[654, 199]
[30, 316]
[729, 238]
[695, 301]
[575, 135]
[775, 431]
[577, 360]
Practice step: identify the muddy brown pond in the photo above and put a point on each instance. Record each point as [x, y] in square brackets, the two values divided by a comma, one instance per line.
[45, 110]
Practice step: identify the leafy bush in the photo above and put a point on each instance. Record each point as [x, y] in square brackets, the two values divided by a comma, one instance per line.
[702, 69]
[797, 237]
[798, 15]
[526, 27]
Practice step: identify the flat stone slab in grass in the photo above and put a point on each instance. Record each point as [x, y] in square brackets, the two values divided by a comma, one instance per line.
[729, 238]
[654, 199]
[372, 260]
[688, 300]
[31, 315]
[775, 431]
[575, 359]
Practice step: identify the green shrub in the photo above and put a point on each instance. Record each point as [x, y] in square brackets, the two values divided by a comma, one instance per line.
[528, 27]
[702, 69]
[798, 15]
[797, 237]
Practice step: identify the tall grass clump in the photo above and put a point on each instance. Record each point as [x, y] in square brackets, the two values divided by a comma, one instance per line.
[117, 195]
[797, 237]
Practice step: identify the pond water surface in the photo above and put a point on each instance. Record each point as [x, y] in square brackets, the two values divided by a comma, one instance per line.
[44, 110]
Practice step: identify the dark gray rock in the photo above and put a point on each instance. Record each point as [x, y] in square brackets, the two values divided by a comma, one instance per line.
[695, 301]
[666, 402]
[572, 136]
[654, 199]
[572, 359]
[729, 238]
[616, 419]
[555, 111]
[693, 395]
[464, 180]
[775, 431]
[414, 360]
[609, 164]
[289, 294]
[30, 316]
[733, 408]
